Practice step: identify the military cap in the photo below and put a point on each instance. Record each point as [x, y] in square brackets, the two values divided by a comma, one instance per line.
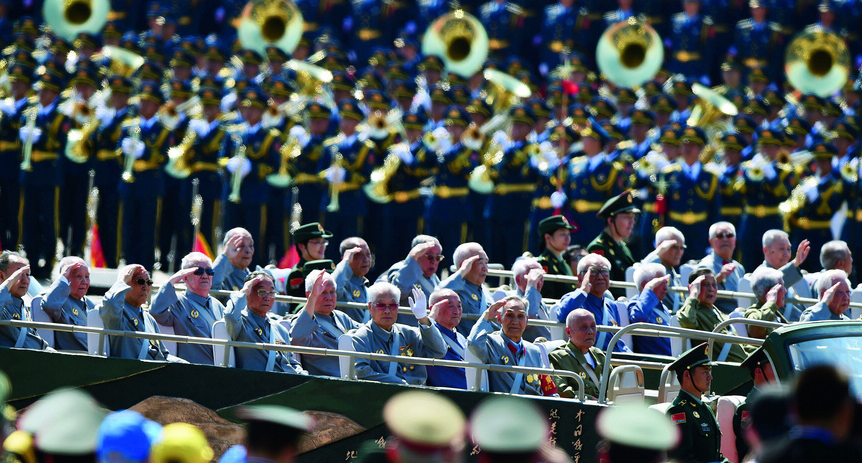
[552, 224]
[756, 4]
[238, 85]
[395, 71]
[64, 422]
[414, 120]
[424, 420]
[823, 150]
[744, 124]
[697, 356]
[619, 204]
[755, 359]
[404, 88]
[440, 95]
[279, 87]
[21, 72]
[825, 6]
[316, 110]
[150, 70]
[333, 62]
[577, 61]
[670, 136]
[578, 114]
[540, 108]
[369, 79]
[153, 52]
[129, 41]
[757, 74]
[459, 94]
[119, 84]
[738, 99]
[555, 95]
[457, 116]
[24, 56]
[732, 141]
[766, 137]
[87, 40]
[276, 55]
[149, 91]
[585, 94]
[84, 75]
[276, 415]
[126, 434]
[636, 425]
[249, 56]
[593, 130]
[349, 108]
[377, 100]
[210, 95]
[405, 38]
[756, 106]
[182, 443]
[681, 87]
[602, 107]
[772, 97]
[651, 88]
[844, 128]
[730, 63]
[642, 117]
[831, 108]
[522, 114]
[60, 48]
[508, 425]
[663, 103]
[322, 264]
[310, 231]
[625, 95]
[614, 131]
[253, 96]
[215, 53]
[812, 102]
[25, 25]
[341, 81]
[560, 130]
[379, 57]
[180, 89]
[480, 106]
[50, 80]
[694, 135]
[181, 57]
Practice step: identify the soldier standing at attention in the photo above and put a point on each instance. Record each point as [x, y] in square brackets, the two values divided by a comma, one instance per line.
[691, 51]
[555, 234]
[618, 214]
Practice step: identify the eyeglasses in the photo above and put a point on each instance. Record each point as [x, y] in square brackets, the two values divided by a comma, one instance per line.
[600, 271]
[677, 247]
[264, 293]
[723, 235]
[201, 270]
[142, 282]
[434, 257]
[381, 306]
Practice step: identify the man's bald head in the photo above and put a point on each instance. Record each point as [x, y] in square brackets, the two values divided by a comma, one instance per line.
[581, 329]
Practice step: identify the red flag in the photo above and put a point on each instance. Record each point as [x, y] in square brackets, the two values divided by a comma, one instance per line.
[290, 258]
[97, 256]
[202, 246]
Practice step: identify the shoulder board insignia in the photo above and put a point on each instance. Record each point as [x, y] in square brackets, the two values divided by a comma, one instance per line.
[678, 418]
[296, 282]
[746, 416]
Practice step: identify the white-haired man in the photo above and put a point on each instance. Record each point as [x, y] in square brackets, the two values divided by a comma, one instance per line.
[419, 268]
[767, 284]
[579, 355]
[647, 307]
[349, 275]
[192, 313]
[14, 282]
[320, 324]
[834, 255]
[507, 347]
[529, 278]
[834, 290]
[382, 335]
[231, 266]
[122, 309]
[776, 254]
[468, 282]
[728, 272]
[594, 275]
[669, 248]
[66, 302]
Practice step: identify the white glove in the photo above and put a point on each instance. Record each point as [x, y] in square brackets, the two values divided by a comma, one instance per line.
[200, 126]
[403, 153]
[132, 147]
[105, 114]
[558, 198]
[535, 161]
[811, 192]
[418, 303]
[501, 139]
[298, 132]
[33, 135]
[440, 134]
[769, 171]
[7, 106]
[244, 166]
[335, 174]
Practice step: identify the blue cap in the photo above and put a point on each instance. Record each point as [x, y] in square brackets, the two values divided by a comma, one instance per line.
[128, 434]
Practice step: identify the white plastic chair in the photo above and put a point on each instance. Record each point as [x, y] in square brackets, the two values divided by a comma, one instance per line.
[95, 320]
[668, 385]
[741, 328]
[726, 408]
[171, 346]
[624, 321]
[855, 296]
[678, 345]
[684, 271]
[346, 364]
[39, 315]
[630, 277]
[626, 383]
[744, 287]
[472, 385]
[661, 407]
[220, 332]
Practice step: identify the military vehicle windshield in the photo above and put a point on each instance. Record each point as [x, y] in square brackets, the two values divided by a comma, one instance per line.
[841, 351]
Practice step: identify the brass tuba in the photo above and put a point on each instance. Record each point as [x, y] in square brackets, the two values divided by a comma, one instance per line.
[709, 108]
[817, 62]
[629, 53]
[270, 22]
[68, 18]
[460, 40]
[504, 91]
[377, 188]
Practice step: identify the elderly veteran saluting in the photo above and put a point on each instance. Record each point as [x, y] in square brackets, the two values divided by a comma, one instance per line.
[468, 282]
[579, 355]
[231, 266]
[834, 289]
[14, 282]
[382, 335]
[349, 275]
[320, 324]
[193, 312]
[66, 302]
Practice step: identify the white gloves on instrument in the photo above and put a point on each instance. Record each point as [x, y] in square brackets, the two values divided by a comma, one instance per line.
[244, 166]
[444, 140]
[300, 134]
[769, 170]
[200, 126]
[403, 153]
[335, 174]
[811, 192]
[558, 198]
[133, 148]
[26, 133]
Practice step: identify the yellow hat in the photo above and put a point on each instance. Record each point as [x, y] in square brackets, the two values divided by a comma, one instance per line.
[425, 419]
[182, 442]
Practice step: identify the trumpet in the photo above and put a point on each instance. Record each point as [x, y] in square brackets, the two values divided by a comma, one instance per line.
[334, 188]
[26, 164]
[236, 178]
[473, 138]
[128, 175]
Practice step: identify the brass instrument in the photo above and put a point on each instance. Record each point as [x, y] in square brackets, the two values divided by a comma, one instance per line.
[629, 53]
[26, 164]
[473, 138]
[123, 62]
[178, 165]
[236, 178]
[68, 18]
[460, 40]
[270, 22]
[817, 62]
[377, 188]
[129, 167]
[710, 107]
[334, 188]
[282, 178]
[169, 113]
[504, 91]
[480, 178]
[378, 128]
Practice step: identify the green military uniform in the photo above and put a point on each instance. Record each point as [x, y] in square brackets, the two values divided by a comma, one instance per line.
[296, 278]
[551, 263]
[766, 311]
[697, 316]
[568, 357]
[757, 359]
[617, 252]
[700, 436]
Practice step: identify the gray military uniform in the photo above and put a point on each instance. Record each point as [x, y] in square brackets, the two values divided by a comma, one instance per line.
[226, 276]
[474, 299]
[351, 288]
[320, 331]
[492, 347]
[406, 275]
[424, 341]
[536, 310]
[63, 309]
[118, 315]
[246, 326]
[731, 283]
[819, 312]
[12, 308]
[189, 315]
